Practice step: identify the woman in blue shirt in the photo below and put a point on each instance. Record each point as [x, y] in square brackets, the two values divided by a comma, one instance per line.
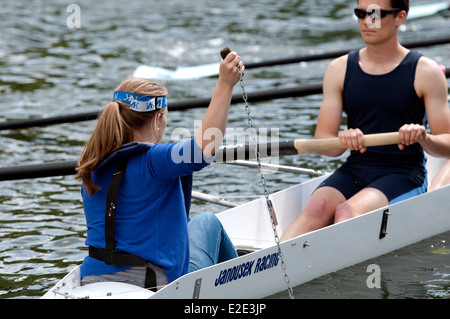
[143, 234]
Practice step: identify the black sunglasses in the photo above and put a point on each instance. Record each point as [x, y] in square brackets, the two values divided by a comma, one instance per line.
[361, 14]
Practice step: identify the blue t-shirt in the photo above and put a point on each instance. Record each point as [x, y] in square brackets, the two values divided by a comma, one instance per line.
[151, 219]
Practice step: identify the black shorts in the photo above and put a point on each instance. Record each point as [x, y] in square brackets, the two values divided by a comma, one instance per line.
[394, 182]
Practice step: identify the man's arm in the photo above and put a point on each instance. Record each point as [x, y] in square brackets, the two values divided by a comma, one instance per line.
[431, 86]
[330, 113]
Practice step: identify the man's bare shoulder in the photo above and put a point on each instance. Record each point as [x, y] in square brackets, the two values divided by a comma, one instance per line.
[338, 64]
[429, 77]
[427, 67]
[335, 73]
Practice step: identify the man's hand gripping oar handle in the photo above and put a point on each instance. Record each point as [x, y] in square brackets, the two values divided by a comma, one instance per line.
[317, 145]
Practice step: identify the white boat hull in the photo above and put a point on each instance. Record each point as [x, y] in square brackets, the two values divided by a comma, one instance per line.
[259, 273]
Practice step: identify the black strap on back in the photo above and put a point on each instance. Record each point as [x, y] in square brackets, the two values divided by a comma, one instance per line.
[110, 255]
[186, 185]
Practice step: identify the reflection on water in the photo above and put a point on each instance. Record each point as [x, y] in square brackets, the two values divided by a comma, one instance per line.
[47, 69]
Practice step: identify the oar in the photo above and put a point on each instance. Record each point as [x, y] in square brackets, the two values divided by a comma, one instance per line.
[223, 155]
[206, 70]
[37, 170]
[298, 146]
[258, 96]
[277, 167]
[214, 199]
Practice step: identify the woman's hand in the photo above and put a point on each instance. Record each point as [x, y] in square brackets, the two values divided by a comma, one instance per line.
[228, 71]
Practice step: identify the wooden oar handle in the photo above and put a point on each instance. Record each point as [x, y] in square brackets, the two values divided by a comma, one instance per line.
[224, 52]
[317, 145]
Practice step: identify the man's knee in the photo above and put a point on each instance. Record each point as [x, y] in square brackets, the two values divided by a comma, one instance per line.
[343, 212]
[315, 209]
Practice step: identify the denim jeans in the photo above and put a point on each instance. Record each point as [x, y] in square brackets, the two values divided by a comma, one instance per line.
[208, 241]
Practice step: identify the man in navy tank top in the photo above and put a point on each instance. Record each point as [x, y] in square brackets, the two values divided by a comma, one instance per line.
[381, 88]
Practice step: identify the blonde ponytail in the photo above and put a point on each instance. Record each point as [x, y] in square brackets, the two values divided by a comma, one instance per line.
[114, 128]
